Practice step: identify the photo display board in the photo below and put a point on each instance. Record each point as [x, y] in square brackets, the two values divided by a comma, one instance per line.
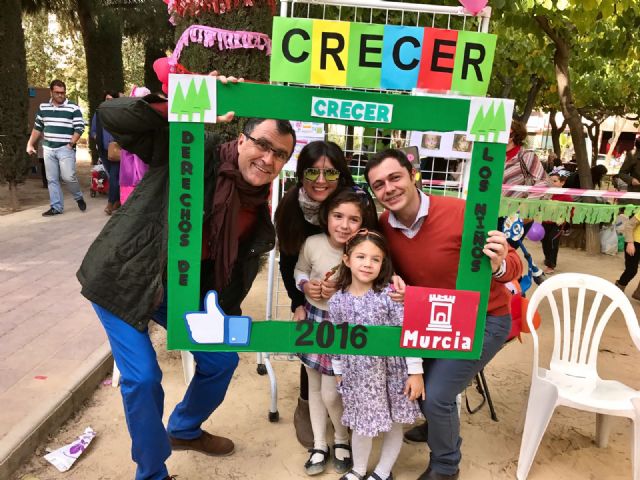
[438, 323]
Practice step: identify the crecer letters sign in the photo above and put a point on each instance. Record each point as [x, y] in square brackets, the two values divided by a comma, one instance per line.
[326, 52]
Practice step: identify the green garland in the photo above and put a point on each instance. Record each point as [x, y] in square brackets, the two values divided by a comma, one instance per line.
[549, 210]
[559, 212]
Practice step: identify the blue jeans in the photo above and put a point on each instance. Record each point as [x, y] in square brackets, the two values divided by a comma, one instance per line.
[60, 163]
[113, 170]
[143, 396]
[444, 379]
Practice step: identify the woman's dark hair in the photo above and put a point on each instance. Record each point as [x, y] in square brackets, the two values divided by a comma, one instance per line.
[519, 132]
[343, 279]
[355, 195]
[597, 173]
[289, 220]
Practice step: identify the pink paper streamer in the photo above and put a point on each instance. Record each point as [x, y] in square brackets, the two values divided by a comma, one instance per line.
[209, 37]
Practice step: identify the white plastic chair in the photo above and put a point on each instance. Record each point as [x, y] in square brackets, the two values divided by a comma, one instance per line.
[188, 369]
[572, 379]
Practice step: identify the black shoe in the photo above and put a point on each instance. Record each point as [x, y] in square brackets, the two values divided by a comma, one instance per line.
[344, 465]
[51, 212]
[432, 475]
[314, 468]
[82, 205]
[417, 434]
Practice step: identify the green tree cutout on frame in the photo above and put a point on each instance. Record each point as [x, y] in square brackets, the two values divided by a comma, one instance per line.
[196, 101]
[202, 101]
[491, 121]
[178, 105]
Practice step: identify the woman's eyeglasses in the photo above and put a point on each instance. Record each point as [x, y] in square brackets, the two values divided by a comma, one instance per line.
[330, 174]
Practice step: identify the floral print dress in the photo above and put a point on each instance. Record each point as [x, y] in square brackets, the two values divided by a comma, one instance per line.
[372, 387]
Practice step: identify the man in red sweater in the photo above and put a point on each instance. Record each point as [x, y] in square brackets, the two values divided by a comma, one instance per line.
[425, 235]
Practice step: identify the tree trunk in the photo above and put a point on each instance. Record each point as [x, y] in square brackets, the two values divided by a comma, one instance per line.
[593, 130]
[536, 85]
[13, 98]
[555, 132]
[152, 51]
[572, 117]
[102, 38]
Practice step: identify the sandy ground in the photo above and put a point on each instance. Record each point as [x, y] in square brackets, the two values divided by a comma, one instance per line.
[269, 451]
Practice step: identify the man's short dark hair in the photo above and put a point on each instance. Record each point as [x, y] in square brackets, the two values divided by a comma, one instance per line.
[57, 83]
[380, 157]
[283, 127]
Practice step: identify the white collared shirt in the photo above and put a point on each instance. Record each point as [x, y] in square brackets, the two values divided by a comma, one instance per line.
[413, 230]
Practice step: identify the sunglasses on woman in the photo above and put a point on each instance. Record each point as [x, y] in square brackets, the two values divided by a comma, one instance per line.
[330, 174]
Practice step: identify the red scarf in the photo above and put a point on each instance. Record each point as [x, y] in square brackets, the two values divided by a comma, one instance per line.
[232, 192]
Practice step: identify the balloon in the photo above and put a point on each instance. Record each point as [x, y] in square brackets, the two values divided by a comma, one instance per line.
[474, 6]
[161, 67]
[165, 88]
[536, 232]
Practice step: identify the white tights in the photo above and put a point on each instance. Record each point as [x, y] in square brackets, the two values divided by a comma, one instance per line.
[391, 445]
[323, 398]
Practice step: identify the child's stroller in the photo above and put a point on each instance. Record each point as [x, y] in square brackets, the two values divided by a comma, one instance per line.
[99, 180]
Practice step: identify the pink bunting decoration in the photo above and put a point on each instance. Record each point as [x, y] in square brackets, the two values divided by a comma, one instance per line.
[209, 37]
[474, 6]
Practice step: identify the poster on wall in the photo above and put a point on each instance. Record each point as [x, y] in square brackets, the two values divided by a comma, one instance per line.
[442, 144]
[306, 132]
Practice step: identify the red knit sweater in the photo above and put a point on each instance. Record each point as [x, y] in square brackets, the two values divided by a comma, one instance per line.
[430, 259]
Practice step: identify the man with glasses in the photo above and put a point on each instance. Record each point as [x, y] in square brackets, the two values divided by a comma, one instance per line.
[61, 124]
[124, 271]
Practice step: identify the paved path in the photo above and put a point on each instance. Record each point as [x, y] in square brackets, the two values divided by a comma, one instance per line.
[50, 339]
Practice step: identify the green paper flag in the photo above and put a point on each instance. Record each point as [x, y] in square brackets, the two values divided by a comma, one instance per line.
[291, 50]
[365, 55]
[473, 63]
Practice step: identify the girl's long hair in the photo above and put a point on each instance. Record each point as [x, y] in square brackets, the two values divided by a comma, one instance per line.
[289, 220]
[344, 278]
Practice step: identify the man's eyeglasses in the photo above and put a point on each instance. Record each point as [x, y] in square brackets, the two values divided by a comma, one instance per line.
[330, 174]
[265, 146]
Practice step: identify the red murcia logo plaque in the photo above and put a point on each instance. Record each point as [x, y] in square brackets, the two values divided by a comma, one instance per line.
[439, 319]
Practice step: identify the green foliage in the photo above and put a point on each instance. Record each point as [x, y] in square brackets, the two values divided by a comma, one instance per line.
[54, 51]
[251, 64]
[13, 96]
[133, 62]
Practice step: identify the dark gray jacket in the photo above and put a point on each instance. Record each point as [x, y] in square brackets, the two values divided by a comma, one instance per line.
[124, 269]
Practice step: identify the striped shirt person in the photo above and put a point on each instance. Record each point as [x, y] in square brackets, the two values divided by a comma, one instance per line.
[60, 123]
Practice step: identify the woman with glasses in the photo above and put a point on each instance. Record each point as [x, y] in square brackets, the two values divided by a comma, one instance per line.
[322, 168]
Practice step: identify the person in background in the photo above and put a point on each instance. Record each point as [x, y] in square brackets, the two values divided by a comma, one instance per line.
[551, 240]
[597, 174]
[631, 232]
[132, 168]
[521, 168]
[321, 169]
[103, 138]
[630, 170]
[61, 124]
